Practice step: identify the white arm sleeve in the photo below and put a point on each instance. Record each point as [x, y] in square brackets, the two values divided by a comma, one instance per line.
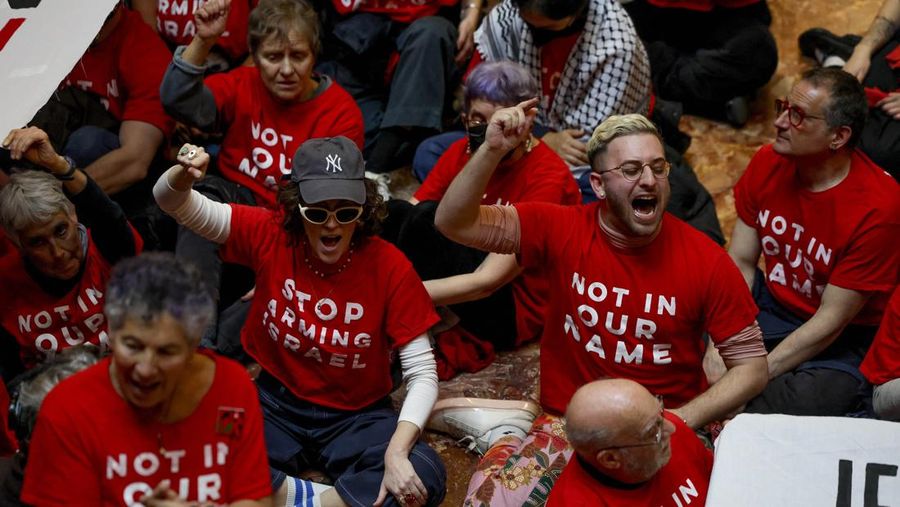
[420, 374]
[207, 218]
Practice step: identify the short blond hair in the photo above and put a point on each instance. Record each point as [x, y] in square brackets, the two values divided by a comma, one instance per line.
[618, 126]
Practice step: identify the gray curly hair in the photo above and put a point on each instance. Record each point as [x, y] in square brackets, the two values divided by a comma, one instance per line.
[146, 287]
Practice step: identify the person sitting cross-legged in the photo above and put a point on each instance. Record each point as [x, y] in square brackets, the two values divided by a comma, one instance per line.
[634, 290]
[826, 220]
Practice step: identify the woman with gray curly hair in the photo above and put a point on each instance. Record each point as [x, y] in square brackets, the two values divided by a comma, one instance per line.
[164, 424]
[65, 234]
[334, 306]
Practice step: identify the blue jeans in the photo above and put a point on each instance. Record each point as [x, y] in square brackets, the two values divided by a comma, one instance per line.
[348, 446]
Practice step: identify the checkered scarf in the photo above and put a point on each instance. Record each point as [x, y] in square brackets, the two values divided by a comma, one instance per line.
[607, 73]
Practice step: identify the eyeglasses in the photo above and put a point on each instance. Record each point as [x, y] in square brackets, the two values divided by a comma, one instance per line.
[319, 216]
[657, 437]
[795, 114]
[632, 170]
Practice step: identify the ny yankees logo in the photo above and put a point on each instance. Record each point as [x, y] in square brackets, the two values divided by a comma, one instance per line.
[334, 163]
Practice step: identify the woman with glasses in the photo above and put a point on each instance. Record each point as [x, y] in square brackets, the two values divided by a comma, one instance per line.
[475, 285]
[333, 306]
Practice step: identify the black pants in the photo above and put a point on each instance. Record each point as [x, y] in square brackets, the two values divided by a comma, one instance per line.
[881, 136]
[229, 281]
[703, 59]
[358, 51]
[411, 229]
[827, 385]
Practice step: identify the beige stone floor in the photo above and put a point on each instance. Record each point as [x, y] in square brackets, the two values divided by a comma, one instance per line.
[718, 154]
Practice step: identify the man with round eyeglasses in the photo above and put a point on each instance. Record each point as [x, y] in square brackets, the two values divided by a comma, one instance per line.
[825, 218]
[634, 288]
[629, 450]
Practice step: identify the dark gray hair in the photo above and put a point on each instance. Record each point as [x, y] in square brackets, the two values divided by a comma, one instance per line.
[31, 198]
[146, 287]
[847, 105]
[505, 83]
[31, 393]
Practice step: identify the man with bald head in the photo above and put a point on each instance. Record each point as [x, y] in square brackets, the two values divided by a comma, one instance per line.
[629, 451]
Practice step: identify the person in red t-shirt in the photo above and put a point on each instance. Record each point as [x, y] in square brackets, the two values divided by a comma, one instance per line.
[826, 220]
[119, 134]
[174, 21]
[64, 247]
[629, 451]
[711, 56]
[157, 420]
[874, 59]
[505, 315]
[882, 363]
[333, 307]
[266, 112]
[634, 289]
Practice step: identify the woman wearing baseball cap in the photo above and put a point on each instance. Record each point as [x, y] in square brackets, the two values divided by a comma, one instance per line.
[333, 305]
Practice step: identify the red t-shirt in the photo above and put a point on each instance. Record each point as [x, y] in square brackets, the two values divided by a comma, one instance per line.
[554, 55]
[539, 176]
[845, 236]
[882, 362]
[329, 340]
[684, 480]
[175, 23]
[402, 11]
[44, 324]
[638, 314]
[90, 447]
[125, 71]
[263, 133]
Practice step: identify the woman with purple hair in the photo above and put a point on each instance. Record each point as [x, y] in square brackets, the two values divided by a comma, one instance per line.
[473, 284]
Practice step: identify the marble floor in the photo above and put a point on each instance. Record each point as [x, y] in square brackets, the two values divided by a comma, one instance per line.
[718, 153]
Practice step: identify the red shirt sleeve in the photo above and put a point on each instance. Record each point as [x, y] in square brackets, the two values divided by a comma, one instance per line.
[59, 469]
[872, 257]
[346, 118]
[746, 206]
[225, 87]
[730, 306]
[253, 232]
[249, 479]
[446, 168]
[538, 220]
[882, 362]
[142, 65]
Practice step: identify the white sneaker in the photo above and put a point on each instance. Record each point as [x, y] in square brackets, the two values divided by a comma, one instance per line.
[383, 182]
[481, 422]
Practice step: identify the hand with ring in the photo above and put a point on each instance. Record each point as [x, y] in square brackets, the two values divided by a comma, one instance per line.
[192, 164]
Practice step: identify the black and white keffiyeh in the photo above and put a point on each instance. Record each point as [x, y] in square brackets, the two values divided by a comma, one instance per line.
[607, 72]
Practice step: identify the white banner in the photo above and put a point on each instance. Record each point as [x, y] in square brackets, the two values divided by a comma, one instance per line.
[806, 461]
[40, 42]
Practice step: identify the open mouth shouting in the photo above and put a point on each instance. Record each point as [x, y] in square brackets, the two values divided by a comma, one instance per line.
[645, 208]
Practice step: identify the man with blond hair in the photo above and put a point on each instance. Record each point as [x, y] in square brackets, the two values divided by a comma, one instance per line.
[634, 291]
